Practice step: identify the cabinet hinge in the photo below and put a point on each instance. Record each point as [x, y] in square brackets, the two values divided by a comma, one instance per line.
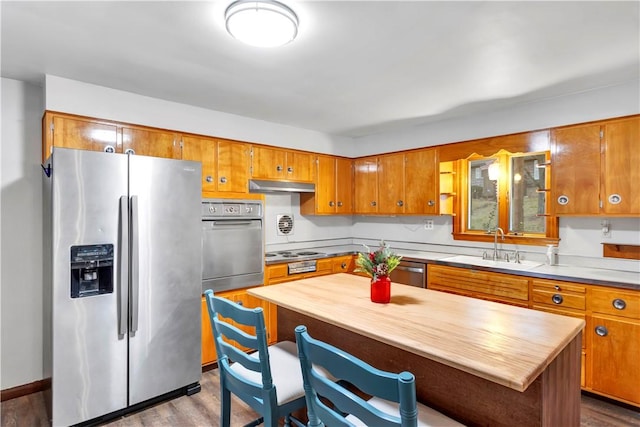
[601, 134]
[600, 203]
[51, 126]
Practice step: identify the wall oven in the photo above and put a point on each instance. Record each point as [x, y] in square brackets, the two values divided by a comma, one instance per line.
[232, 244]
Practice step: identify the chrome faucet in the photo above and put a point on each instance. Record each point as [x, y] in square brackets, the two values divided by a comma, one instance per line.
[496, 257]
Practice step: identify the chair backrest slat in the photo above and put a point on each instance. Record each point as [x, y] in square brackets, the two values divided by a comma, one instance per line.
[398, 388]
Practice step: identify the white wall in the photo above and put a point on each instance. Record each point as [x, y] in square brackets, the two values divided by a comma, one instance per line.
[597, 104]
[21, 234]
[70, 96]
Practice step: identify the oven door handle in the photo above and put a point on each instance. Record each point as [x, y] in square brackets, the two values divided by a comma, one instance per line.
[230, 223]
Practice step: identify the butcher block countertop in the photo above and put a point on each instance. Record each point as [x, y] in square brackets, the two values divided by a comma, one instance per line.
[507, 345]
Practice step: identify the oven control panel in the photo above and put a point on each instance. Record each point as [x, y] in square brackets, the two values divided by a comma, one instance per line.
[301, 267]
[221, 208]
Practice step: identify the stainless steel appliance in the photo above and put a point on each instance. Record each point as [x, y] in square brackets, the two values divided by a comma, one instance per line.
[297, 262]
[232, 244]
[410, 273]
[122, 308]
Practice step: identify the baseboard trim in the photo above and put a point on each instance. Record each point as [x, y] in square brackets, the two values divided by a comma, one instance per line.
[23, 390]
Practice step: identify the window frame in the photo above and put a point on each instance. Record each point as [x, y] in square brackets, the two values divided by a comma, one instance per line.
[462, 232]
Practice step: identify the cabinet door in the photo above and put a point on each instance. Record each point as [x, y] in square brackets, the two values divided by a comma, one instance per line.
[391, 183]
[421, 183]
[202, 150]
[248, 301]
[146, 142]
[575, 170]
[268, 163]
[208, 346]
[325, 195]
[299, 166]
[344, 186]
[83, 134]
[366, 185]
[614, 354]
[621, 175]
[232, 166]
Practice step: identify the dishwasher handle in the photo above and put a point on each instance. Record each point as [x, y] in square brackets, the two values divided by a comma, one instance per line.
[410, 269]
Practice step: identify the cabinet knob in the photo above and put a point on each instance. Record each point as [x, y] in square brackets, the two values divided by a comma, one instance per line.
[373, 203]
[339, 204]
[209, 178]
[331, 203]
[556, 287]
[130, 151]
[601, 331]
[279, 168]
[400, 203]
[431, 203]
[563, 200]
[557, 299]
[290, 169]
[619, 304]
[109, 149]
[343, 265]
[223, 179]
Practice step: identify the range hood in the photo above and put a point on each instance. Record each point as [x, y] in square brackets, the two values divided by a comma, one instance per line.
[264, 186]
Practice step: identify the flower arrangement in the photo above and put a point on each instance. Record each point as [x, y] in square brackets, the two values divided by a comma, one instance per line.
[379, 263]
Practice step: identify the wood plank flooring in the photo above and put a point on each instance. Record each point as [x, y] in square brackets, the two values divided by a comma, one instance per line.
[202, 409]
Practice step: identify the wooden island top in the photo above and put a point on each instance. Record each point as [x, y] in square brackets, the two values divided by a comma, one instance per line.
[507, 345]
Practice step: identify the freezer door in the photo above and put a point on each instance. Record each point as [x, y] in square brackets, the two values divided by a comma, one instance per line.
[89, 356]
[165, 331]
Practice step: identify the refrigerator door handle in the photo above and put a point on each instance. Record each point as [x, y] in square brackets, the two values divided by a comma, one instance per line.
[123, 262]
[134, 265]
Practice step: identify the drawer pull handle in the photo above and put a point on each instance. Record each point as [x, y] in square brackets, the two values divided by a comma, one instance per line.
[601, 331]
[209, 178]
[619, 304]
[343, 265]
[557, 299]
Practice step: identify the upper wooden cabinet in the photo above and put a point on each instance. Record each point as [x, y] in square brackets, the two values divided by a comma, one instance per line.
[399, 183]
[149, 142]
[333, 195]
[594, 169]
[278, 164]
[79, 133]
[225, 164]
[365, 185]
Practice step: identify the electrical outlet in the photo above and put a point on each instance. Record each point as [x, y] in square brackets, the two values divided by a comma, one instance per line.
[428, 224]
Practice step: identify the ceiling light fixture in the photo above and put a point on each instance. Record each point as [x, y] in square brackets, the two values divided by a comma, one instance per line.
[262, 23]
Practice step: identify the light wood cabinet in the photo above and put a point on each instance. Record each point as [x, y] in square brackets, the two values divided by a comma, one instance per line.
[621, 167]
[78, 133]
[498, 287]
[365, 185]
[225, 164]
[278, 164]
[208, 346]
[614, 330]
[594, 168]
[400, 183]
[343, 264]
[334, 183]
[575, 170]
[150, 142]
[421, 182]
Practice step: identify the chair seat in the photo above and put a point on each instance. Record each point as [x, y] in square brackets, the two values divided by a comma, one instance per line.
[427, 417]
[285, 371]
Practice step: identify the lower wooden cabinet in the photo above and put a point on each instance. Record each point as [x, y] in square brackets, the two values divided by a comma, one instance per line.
[240, 297]
[610, 340]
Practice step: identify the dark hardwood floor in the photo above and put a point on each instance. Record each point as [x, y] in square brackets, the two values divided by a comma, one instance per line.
[202, 409]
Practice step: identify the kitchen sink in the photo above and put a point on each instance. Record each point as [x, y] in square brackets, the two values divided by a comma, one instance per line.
[476, 260]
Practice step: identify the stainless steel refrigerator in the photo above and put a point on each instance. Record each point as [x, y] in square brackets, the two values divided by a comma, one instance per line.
[122, 320]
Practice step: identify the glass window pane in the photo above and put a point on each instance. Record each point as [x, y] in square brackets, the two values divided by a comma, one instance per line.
[483, 201]
[526, 202]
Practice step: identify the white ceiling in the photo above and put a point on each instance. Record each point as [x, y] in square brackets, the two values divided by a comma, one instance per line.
[355, 69]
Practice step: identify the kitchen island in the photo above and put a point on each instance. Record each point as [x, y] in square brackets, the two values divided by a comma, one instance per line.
[479, 362]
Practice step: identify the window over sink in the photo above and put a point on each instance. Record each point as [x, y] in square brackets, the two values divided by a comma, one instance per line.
[509, 191]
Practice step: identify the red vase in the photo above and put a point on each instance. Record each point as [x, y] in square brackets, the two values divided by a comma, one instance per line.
[381, 289]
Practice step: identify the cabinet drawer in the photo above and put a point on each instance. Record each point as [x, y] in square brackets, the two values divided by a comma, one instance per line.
[275, 272]
[558, 298]
[475, 283]
[615, 302]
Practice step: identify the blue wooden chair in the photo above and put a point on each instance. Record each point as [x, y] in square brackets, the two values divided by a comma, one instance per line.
[268, 379]
[393, 401]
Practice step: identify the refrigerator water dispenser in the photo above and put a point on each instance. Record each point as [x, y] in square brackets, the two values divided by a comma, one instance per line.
[91, 270]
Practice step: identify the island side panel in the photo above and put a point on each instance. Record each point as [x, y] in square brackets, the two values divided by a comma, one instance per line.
[561, 387]
[467, 398]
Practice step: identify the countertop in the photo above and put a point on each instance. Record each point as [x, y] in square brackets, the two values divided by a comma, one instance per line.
[588, 275]
[507, 345]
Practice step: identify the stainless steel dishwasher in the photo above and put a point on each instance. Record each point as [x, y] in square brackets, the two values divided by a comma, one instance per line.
[410, 273]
